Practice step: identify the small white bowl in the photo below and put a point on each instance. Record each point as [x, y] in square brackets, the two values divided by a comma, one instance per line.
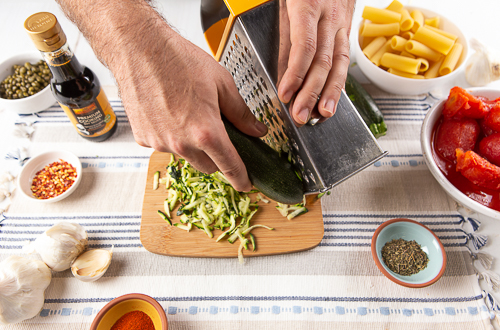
[394, 84]
[35, 164]
[31, 104]
[466, 206]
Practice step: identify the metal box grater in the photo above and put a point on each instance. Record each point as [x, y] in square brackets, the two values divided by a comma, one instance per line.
[326, 154]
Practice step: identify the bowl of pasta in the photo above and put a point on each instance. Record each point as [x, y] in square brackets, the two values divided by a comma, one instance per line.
[408, 50]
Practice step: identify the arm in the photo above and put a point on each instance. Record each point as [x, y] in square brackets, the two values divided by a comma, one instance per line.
[319, 56]
[173, 92]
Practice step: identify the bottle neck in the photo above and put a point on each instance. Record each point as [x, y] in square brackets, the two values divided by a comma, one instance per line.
[63, 64]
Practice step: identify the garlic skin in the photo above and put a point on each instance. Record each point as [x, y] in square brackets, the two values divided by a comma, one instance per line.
[22, 285]
[483, 66]
[91, 265]
[61, 244]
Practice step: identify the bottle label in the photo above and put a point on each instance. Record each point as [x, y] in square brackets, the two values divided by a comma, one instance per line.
[93, 120]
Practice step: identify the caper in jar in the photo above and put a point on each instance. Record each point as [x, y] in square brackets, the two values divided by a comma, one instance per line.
[30, 76]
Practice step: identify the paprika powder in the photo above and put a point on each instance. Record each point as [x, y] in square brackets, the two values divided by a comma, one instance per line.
[135, 320]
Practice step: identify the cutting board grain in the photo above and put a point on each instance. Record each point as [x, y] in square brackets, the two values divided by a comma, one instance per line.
[157, 236]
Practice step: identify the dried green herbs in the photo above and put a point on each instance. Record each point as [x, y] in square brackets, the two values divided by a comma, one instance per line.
[404, 257]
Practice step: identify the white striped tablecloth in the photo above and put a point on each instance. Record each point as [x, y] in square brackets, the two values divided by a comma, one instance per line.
[333, 286]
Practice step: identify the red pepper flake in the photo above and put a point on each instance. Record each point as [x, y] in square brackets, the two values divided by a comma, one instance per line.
[53, 180]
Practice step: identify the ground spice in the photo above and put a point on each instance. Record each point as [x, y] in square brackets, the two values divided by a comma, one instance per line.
[53, 180]
[404, 257]
[135, 320]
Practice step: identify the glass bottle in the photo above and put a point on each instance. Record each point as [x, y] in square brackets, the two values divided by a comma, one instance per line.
[74, 86]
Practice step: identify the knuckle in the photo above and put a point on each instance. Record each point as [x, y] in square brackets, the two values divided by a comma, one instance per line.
[325, 61]
[204, 138]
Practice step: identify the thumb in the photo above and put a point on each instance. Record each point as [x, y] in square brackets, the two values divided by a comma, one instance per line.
[237, 112]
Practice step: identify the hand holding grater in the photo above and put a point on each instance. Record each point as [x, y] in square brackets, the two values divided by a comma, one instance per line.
[250, 38]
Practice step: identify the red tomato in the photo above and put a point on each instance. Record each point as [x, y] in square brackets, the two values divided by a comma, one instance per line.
[456, 133]
[462, 104]
[492, 119]
[489, 148]
[478, 170]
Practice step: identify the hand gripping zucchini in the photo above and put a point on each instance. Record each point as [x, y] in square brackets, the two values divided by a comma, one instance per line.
[273, 175]
[366, 106]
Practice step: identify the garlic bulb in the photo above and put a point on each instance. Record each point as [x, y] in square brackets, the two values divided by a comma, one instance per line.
[61, 244]
[483, 66]
[22, 285]
[91, 265]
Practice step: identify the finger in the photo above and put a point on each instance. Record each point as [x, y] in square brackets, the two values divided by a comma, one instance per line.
[236, 111]
[316, 77]
[303, 37]
[226, 158]
[338, 74]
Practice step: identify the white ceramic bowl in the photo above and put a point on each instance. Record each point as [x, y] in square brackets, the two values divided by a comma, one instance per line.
[406, 86]
[35, 164]
[466, 206]
[31, 104]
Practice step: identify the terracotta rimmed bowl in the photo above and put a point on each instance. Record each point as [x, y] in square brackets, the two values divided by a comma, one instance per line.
[394, 84]
[35, 164]
[410, 230]
[118, 307]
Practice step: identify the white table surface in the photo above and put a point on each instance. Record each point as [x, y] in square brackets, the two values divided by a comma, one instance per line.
[478, 19]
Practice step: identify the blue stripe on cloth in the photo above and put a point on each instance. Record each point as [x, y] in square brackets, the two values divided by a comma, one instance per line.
[280, 298]
[93, 231]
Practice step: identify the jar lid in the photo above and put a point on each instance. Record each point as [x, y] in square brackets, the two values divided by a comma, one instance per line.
[45, 31]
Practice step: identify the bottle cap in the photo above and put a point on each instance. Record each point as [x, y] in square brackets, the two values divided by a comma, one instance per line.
[45, 31]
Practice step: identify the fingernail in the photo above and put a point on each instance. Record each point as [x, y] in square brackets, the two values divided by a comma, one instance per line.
[288, 96]
[330, 106]
[303, 115]
[261, 127]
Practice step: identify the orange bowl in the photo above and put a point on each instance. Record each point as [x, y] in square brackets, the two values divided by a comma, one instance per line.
[118, 307]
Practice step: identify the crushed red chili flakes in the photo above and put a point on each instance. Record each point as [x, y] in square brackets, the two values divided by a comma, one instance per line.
[53, 180]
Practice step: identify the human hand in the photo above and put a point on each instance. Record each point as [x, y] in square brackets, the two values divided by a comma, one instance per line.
[319, 57]
[174, 102]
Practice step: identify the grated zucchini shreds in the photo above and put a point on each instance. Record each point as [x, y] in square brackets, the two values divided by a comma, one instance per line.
[209, 202]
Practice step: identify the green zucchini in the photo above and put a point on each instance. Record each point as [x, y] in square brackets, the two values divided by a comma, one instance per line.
[366, 106]
[273, 175]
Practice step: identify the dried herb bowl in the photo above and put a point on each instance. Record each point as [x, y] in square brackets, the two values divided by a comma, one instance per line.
[410, 230]
[111, 313]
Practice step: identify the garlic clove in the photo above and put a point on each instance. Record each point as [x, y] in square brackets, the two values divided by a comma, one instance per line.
[22, 286]
[61, 244]
[483, 66]
[92, 264]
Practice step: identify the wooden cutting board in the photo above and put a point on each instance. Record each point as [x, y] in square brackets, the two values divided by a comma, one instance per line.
[157, 236]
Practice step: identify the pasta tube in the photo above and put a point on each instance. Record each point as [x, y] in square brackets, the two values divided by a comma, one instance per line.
[401, 63]
[444, 33]
[418, 20]
[433, 71]
[406, 22]
[419, 49]
[424, 65]
[398, 43]
[374, 46]
[432, 21]
[407, 35]
[395, 6]
[381, 16]
[405, 74]
[377, 30]
[451, 60]
[405, 53]
[434, 40]
[378, 55]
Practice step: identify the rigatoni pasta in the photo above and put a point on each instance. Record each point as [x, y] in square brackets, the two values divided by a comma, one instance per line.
[381, 16]
[374, 46]
[378, 30]
[412, 46]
